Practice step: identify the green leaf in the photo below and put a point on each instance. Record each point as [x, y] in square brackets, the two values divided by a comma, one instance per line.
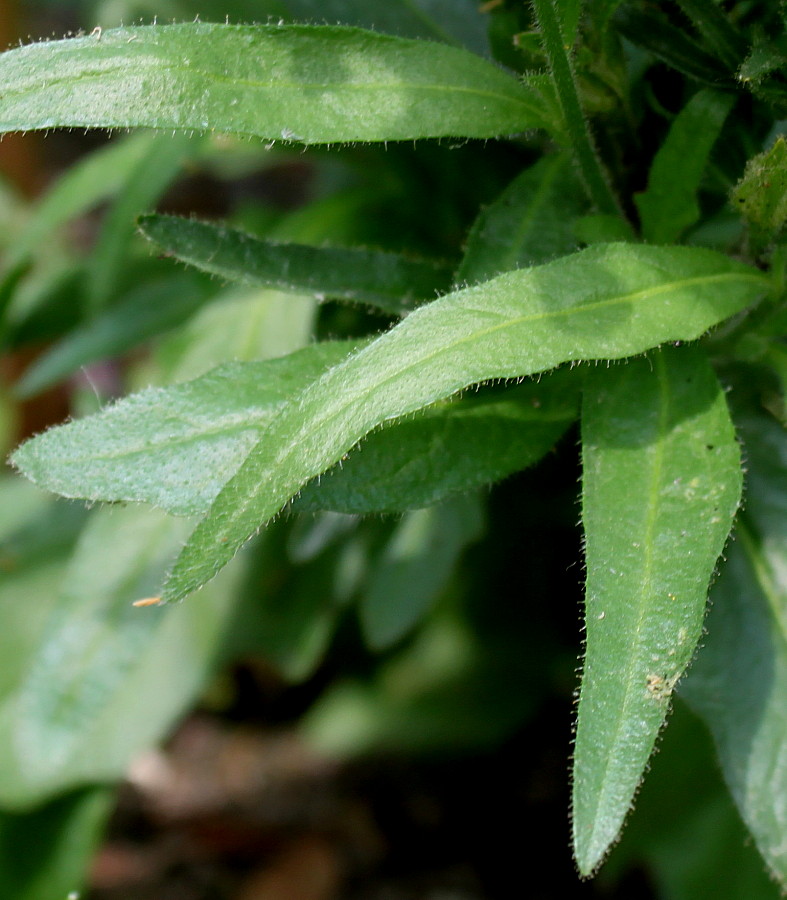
[173, 447]
[669, 206]
[604, 302]
[45, 853]
[387, 281]
[415, 566]
[738, 684]
[722, 37]
[451, 448]
[105, 680]
[661, 484]
[311, 84]
[143, 313]
[531, 222]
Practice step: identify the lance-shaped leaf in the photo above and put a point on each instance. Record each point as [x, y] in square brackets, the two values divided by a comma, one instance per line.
[388, 281]
[312, 84]
[609, 301]
[661, 483]
[739, 682]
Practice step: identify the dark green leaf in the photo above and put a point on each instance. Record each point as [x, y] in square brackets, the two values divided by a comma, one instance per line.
[530, 222]
[414, 566]
[453, 447]
[387, 281]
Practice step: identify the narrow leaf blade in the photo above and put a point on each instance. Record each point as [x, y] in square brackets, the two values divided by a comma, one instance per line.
[390, 282]
[661, 484]
[605, 302]
[311, 84]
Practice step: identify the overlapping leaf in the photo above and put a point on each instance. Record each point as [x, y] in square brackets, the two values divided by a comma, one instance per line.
[605, 302]
[661, 484]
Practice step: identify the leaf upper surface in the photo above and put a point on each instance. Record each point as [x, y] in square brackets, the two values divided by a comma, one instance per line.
[310, 84]
[609, 302]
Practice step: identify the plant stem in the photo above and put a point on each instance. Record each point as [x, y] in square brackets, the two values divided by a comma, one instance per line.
[590, 167]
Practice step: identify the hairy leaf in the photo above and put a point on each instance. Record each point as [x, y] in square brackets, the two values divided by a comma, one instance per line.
[390, 282]
[173, 447]
[605, 302]
[310, 84]
[661, 484]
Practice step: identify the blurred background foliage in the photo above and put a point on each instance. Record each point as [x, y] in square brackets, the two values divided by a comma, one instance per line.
[424, 757]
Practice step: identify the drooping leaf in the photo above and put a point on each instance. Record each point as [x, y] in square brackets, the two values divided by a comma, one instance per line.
[661, 484]
[531, 222]
[605, 302]
[310, 84]
[390, 282]
[669, 205]
[738, 684]
[686, 828]
[414, 566]
[174, 447]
